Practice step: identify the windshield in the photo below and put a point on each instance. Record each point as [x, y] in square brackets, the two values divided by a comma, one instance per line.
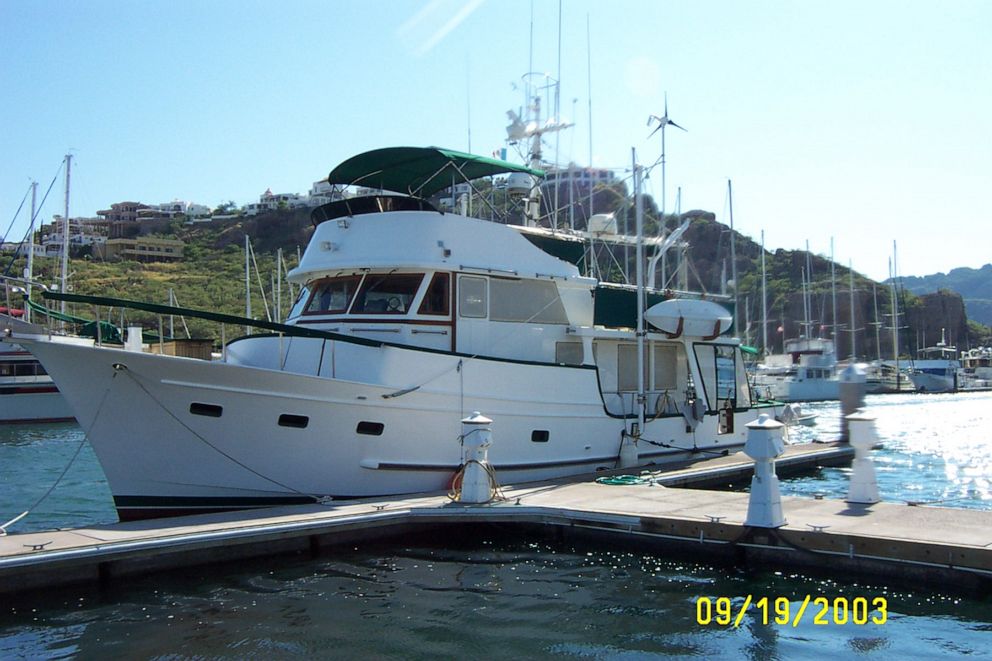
[387, 294]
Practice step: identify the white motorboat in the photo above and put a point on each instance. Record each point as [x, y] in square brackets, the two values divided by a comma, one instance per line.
[409, 320]
[805, 372]
[27, 392]
[936, 368]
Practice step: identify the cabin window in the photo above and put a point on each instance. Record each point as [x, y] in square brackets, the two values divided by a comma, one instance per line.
[297, 421]
[208, 410]
[472, 297]
[540, 436]
[663, 368]
[387, 294]
[333, 295]
[437, 297]
[724, 378]
[300, 303]
[534, 301]
[568, 353]
[370, 428]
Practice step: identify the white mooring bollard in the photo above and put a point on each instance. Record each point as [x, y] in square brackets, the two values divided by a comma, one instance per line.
[477, 484]
[862, 437]
[853, 386]
[764, 443]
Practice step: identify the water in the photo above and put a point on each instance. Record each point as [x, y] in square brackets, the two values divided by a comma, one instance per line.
[500, 598]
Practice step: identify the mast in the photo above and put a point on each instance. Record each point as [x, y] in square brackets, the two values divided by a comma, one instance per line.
[733, 249]
[877, 324]
[764, 299]
[833, 290]
[247, 283]
[65, 232]
[29, 269]
[895, 312]
[854, 329]
[639, 215]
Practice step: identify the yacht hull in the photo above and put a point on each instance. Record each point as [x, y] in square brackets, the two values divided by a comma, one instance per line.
[325, 418]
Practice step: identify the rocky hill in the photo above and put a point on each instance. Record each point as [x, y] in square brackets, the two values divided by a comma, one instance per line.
[974, 286]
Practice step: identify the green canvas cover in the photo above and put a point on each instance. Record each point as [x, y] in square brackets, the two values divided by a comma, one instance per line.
[418, 171]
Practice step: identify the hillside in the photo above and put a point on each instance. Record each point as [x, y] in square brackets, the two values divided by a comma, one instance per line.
[974, 285]
[212, 277]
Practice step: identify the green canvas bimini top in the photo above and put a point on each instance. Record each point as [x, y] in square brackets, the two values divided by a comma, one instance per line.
[419, 171]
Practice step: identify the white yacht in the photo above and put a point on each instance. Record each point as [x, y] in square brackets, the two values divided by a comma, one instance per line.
[805, 372]
[936, 368]
[409, 320]
[27, 392]
[976, 369]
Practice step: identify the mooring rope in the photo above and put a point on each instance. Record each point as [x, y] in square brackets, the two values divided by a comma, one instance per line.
[75, 455]
[119, 367]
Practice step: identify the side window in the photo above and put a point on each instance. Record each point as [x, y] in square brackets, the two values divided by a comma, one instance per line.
[473, 300]
[437, 297]
[568, 353]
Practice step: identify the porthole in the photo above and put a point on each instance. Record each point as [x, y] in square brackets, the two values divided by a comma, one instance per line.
[297, 421]
[209, 410]
[370, 428]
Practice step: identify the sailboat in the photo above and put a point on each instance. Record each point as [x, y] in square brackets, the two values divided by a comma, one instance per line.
[408, 321]
[27, 392]
[805, 371]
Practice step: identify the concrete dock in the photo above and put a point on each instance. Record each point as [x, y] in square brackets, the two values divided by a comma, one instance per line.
[950, 547]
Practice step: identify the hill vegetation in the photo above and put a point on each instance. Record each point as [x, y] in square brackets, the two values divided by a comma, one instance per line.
[212, 277]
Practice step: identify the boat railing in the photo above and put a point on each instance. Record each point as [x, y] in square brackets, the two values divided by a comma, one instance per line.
[99, 331]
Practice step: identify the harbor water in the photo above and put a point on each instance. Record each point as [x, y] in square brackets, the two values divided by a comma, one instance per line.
[502, 597]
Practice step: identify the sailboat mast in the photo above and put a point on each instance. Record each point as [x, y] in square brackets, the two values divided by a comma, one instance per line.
[895, 312]
[854, 329]
[764, 298]
[29, 269]
[833, 289]
[733, 251]
[65, 232]
[247, 283]
[878, 339]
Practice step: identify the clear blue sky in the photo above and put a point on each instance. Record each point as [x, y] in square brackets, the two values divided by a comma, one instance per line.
[861, 121]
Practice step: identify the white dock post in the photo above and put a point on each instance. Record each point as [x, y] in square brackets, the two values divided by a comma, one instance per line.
[764, 443]
[852, 394]
[862, 437]
[477, 483]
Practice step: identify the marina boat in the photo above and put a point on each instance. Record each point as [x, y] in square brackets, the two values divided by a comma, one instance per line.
[936, 368]
[883, 376]
[805, 372]
[409, 320]
[27, 392]
[976, 369]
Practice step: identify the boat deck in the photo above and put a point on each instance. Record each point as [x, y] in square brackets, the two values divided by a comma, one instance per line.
[949, 546]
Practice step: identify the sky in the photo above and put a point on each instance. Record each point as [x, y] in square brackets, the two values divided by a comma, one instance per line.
[859, 122]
